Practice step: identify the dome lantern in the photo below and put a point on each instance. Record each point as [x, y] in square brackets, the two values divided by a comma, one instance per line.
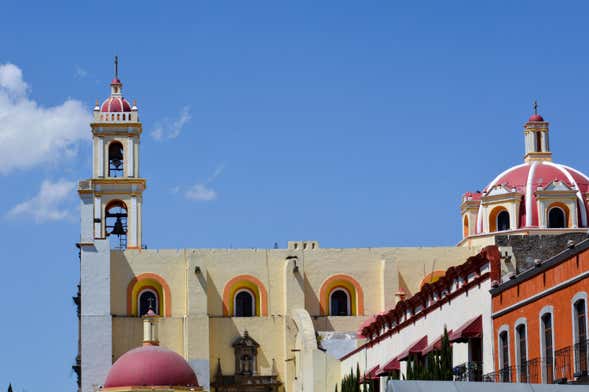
[536, 138]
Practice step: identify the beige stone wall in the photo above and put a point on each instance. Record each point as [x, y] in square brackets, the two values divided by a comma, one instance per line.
[197, 328]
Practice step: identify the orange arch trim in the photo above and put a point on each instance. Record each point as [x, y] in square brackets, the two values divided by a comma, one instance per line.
[152, 281]
[251, 283]
[353, 288]
[431, 277]
[493, 217]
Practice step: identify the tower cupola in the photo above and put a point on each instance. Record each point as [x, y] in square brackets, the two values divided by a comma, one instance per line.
[536, 138]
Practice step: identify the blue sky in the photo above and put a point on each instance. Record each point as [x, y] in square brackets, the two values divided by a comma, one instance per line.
[357, 124]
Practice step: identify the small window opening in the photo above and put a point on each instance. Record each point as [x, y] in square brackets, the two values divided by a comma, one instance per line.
[148, 300]
[339, 303]
[503, 221]
[556, 218]
[115, 159]
[244, 304]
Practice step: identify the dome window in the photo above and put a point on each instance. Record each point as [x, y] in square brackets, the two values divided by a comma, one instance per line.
[503, 221]
[556, 218]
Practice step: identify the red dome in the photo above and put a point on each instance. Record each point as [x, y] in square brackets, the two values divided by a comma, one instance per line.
[536, 117]
[115, 104]
[150, 366]
[526, 178]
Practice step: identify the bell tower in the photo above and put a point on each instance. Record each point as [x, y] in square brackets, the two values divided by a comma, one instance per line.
[115, 190]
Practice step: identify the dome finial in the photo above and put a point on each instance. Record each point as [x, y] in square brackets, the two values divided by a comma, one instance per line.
[535, 107]
[116, 67]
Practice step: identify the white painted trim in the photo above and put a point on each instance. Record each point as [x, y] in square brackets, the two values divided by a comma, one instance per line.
[132, 223]
[130, 158]
[235, 301]
[529, 193]
[502, 364]
[571, 179]
[98, 215]
[492, 184]
[520, 321]
[348, 296]
[541, 294]
[100, 152]
[548, 309]
[157, 301]
[582, 295]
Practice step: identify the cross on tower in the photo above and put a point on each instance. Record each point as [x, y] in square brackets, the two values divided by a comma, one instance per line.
[535, 107]
[116, 67]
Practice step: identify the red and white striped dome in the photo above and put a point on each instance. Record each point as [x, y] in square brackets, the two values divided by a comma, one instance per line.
[115, 104]
[527, 178]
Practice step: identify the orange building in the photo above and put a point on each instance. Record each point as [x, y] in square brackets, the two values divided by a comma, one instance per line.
[540, 321]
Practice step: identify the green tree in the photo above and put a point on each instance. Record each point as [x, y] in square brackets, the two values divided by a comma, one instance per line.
[446, 358]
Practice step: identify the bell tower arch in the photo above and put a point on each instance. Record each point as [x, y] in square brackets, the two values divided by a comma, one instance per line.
[115, 190]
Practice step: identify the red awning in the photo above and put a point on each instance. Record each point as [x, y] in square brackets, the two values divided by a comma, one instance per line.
[391, 365]
[472, 329]
[436, 345]
[372, 374]
[415, 348]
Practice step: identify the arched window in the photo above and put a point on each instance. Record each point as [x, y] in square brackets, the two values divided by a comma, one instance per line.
[148, 299]
[465, 227]
[580, 335]
[244, 304]
[538, 140]
[504, 356]
[522, 349]
[548, 347]
[332, 293]
[115, 159]
[116, 224]
[556, 218]
[503, 221]
[339, 303]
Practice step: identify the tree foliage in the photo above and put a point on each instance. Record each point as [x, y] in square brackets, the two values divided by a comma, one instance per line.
[437, 365]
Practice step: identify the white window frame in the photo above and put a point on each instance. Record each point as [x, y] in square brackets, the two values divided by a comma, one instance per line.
[582, 295]
[503, 328]
[546, 309]
[253, 301]
[157, 300]
[521, 321]
[348, 296]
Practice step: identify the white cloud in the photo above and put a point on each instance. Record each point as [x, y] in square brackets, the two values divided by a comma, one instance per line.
[79, 72]
[31, 135]
[200, 192]
[50, 204]
[11, 80]
[171, 129]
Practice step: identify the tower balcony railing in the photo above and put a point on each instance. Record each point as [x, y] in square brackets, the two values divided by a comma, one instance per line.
[116, 117]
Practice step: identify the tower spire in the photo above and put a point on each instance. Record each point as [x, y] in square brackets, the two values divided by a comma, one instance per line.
[535, 107]
[116, 67]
